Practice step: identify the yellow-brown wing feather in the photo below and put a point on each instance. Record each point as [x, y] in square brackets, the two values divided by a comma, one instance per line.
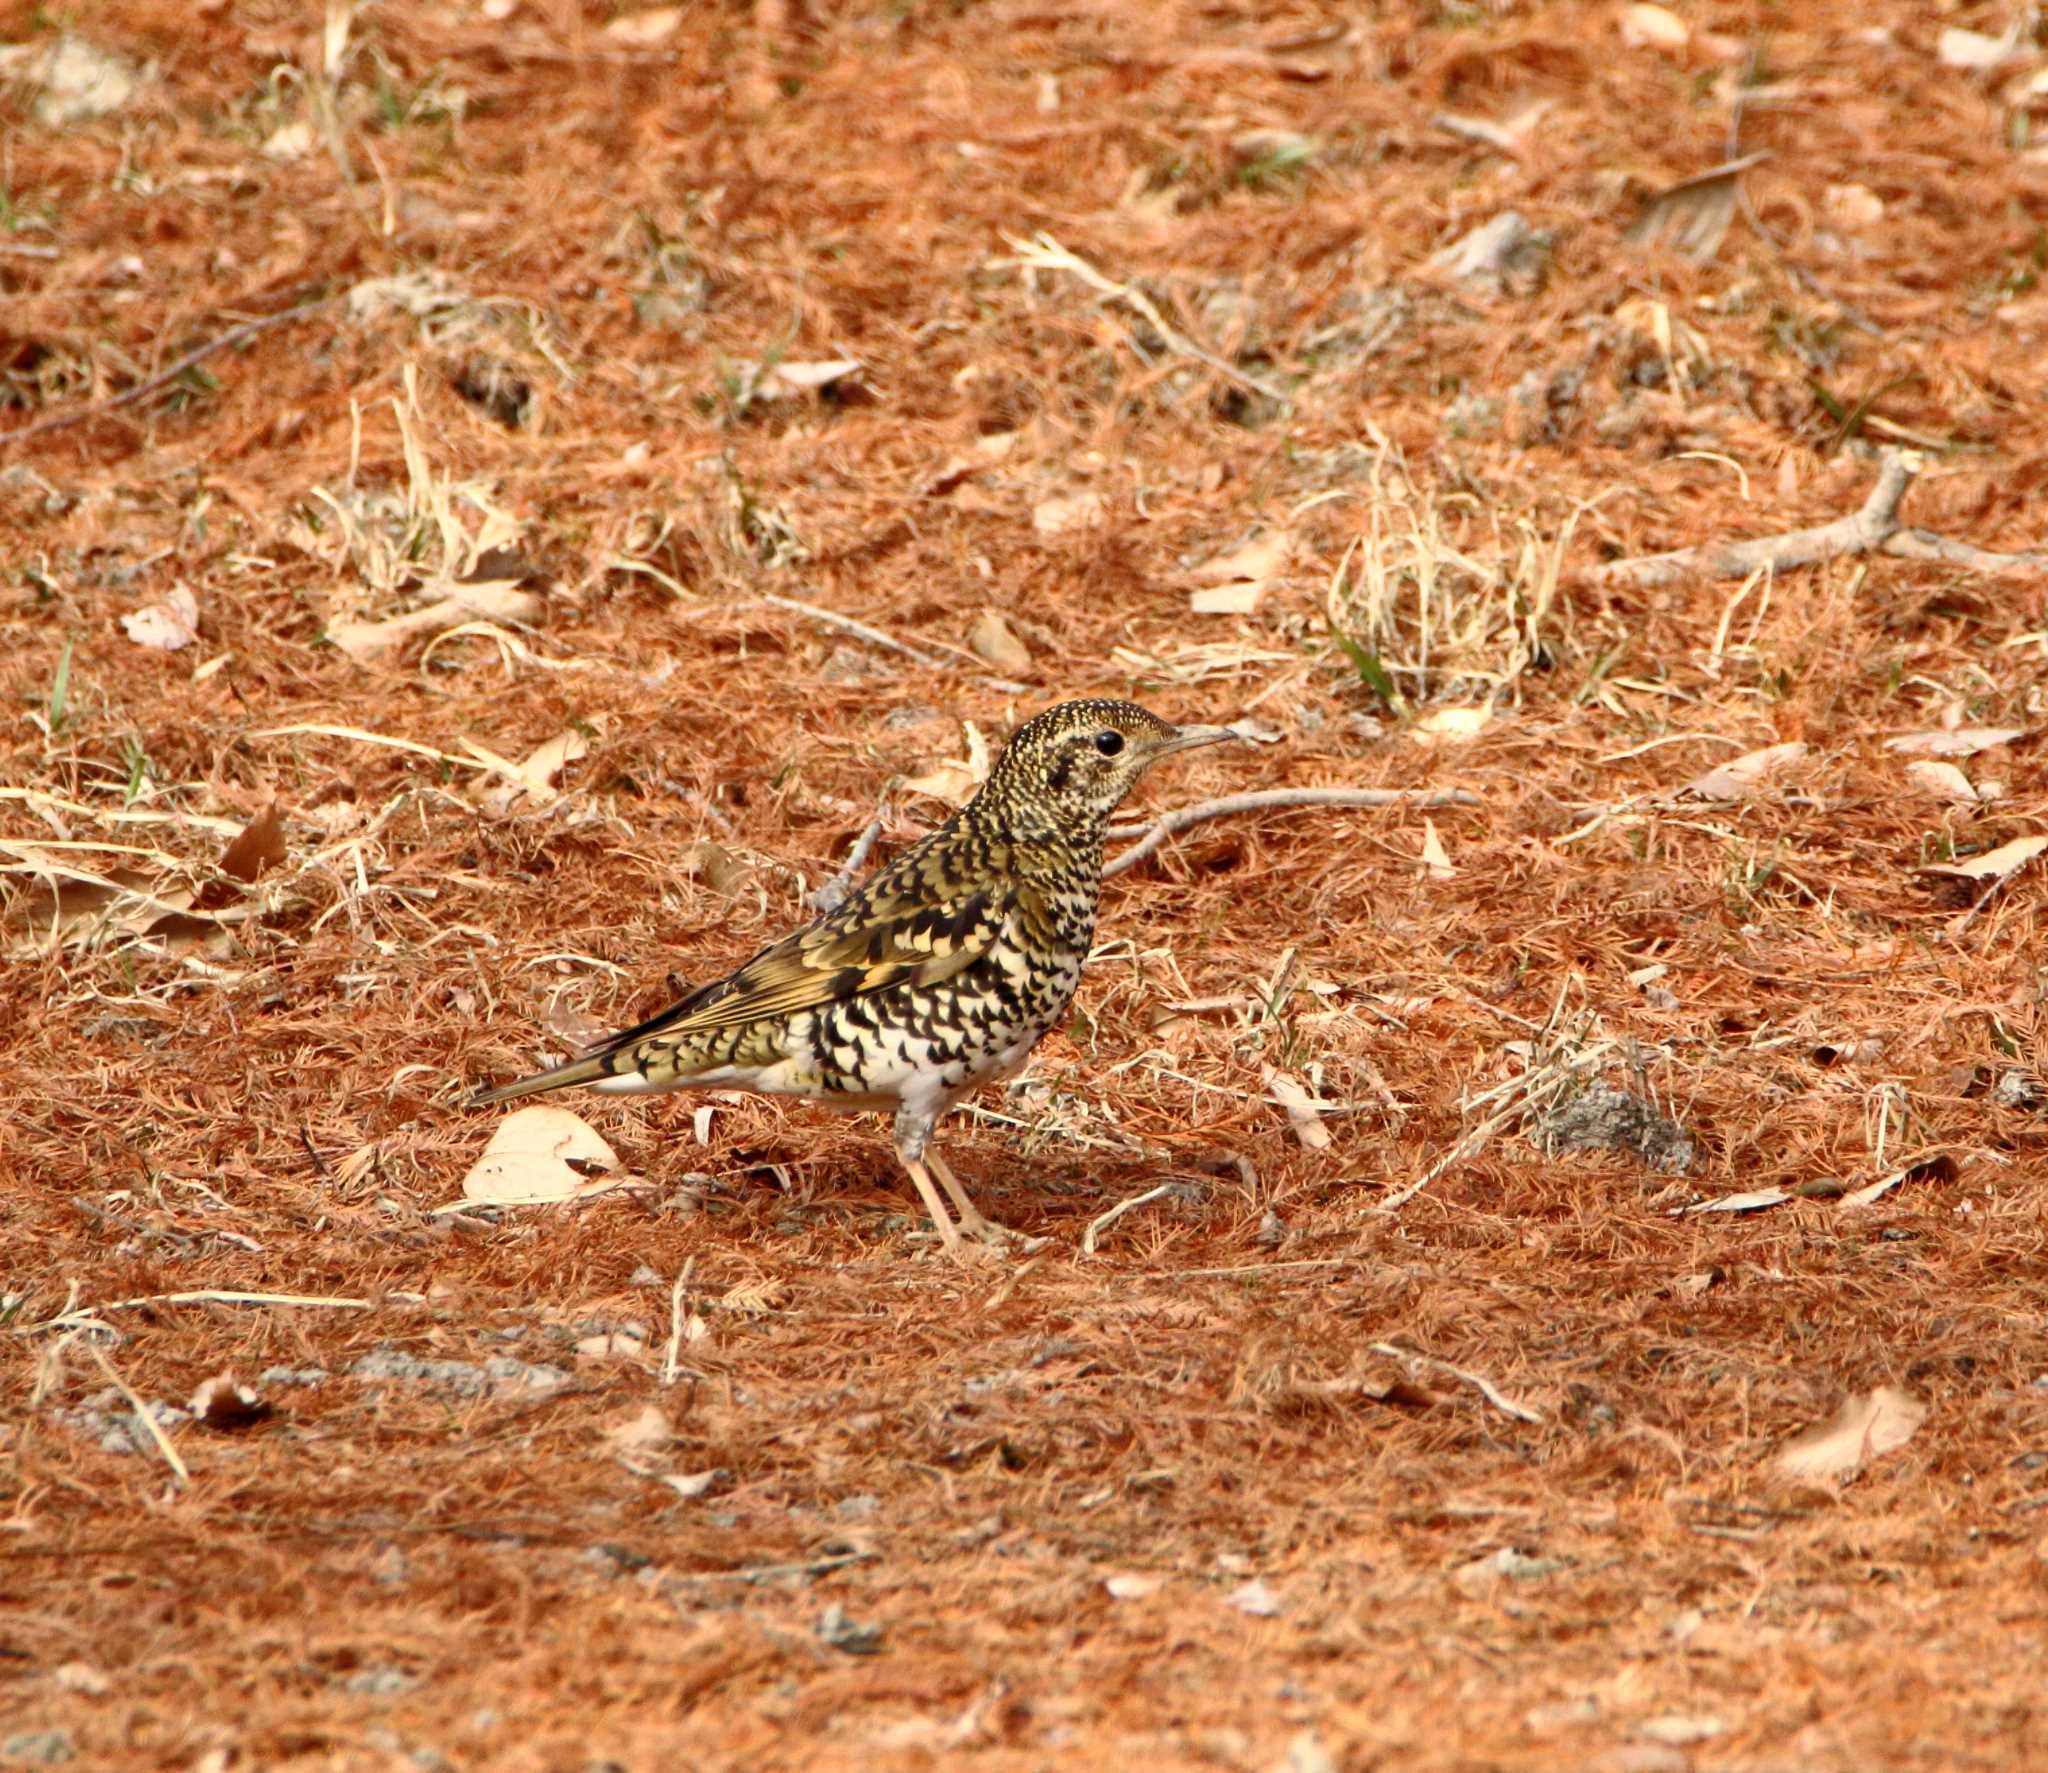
[909, 940]
[915, 921]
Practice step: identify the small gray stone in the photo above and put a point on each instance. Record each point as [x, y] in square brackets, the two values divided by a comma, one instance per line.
[379, 1681]
[461, 1377]
[1603, 1118]
[2018, 1088]
[43, 1748]
[847, 1634]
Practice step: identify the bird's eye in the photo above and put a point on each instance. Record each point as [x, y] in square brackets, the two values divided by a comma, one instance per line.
[1109, 743]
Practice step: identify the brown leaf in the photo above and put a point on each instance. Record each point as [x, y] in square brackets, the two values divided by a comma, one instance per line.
[1300, 1107]
[1055, 516]
[260, 846]
[542, 1154]
[533, 777]
[2008, 858]
[1864, 1427]
[1692, 216]
[166, 626]
[993, 639]
[490, 601]
[225, 1403]
[1436, 860]
[1255, 562]
[1961, 741]
[1946, 782]
[1653, 27]
[642, 1435]
[1742, 776]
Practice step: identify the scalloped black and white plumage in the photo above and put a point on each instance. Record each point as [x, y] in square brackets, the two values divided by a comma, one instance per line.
[938, 974]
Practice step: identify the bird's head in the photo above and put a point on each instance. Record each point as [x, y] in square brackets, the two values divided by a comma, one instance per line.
[1076, 762]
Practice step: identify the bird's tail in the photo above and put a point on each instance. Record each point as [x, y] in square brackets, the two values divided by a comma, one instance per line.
[593, 1069]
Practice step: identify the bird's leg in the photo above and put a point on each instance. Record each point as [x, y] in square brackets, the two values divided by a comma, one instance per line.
[972, 1220]
[912, 1131]
[949, 1239]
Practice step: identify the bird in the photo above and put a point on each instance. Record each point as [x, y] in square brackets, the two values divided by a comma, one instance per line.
[936, 975]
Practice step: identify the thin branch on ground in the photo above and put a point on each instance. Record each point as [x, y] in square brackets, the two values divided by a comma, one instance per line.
[1151, 836]
[1872, 529]
[164, 377]
[678, 1324]
[144, 1415]
[85, 1314]
[829, 895]
[773, 1572]
[1486, 1388]
[831, 618]
[1104, 1221]
[1043, 253]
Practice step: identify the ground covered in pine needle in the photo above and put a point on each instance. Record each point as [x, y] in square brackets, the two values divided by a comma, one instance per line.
[501, 495]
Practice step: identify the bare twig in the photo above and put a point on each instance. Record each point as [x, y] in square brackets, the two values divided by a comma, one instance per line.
[163, 377]
[203, 1296]
[144, 1415]
[671, 1360]
[829, 895]
[770, 1572]
[1486, 1388]
[1150, 837]
[1104, 1221]
[1043, 253]
[831, 618]
[1480, 130]
[1874, 528]
[1924, 544]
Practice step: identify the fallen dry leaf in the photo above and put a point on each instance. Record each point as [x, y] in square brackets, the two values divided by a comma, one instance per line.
[80, 1677]
[1653, 27]
[542, 1153]
[1754, 1201]
[260, 846]
[1853, 206]
[1452, 725]
[955, 779]
[165, 626]
[1864, 1427]
[1235, 583]
[1960, 741]
[1301, 1110]
[1692, 216]
[533, 777]
[1055, 516]
[1742, 776]
[651, 26]
[1436, 860]
[994, 640]
[956, 469]
[225, 1403]
[1255, 1598]
[1977, 53]
[2008, 858]
[642, 1435]
[492, 600]
[1947, 782]
[1240, 599]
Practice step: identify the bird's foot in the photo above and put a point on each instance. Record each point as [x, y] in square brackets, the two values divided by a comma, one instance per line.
[986, 1231]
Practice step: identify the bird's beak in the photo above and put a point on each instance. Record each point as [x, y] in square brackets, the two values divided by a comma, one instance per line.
[1186, 738]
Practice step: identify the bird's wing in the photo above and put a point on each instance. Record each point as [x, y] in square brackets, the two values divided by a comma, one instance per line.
[886, 936]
